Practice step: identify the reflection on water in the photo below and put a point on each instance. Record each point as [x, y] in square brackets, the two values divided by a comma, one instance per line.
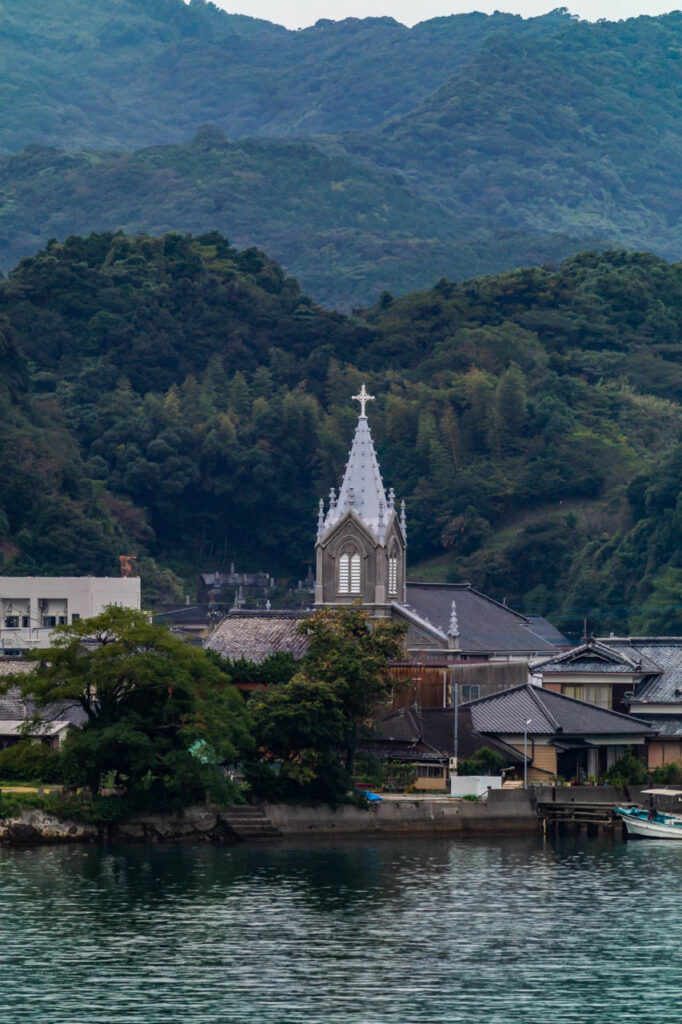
[494, 931]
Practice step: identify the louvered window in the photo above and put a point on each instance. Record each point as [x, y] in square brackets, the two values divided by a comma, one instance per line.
[344, 574]
[393, 575]
[355, 574]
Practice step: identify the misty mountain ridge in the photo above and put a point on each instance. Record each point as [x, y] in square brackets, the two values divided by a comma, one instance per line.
[363, 155]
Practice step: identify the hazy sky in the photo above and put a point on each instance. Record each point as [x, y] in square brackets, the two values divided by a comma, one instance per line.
[299, 13]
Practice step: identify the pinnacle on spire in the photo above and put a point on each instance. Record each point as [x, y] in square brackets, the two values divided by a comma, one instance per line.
[453, 628]
[363, 398]
[320, 519]
[391, 499]
[403, 519]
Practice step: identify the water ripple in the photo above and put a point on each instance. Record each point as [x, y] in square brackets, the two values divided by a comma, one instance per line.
[390, 932]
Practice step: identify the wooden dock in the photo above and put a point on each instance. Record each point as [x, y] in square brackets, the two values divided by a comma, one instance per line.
[593, 814]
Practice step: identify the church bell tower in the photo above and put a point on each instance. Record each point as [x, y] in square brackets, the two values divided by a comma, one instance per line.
[361, 538]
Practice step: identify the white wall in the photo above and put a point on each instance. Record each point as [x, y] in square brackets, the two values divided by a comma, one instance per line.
[29, 604]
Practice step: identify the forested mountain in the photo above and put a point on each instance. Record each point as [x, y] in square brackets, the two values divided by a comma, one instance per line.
[131, 73]
[459, 147]
[185, 400]
[347, 230]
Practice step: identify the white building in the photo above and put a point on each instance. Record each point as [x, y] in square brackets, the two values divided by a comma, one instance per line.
[31, 606]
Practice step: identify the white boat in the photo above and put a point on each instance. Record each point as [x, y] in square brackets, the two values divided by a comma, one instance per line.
[652, 824]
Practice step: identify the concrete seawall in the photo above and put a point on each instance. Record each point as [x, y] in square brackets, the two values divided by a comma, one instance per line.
[506, 812]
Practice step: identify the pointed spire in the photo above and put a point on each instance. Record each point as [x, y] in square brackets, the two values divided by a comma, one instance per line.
[332, 499]
[403, 519]
[362, 488]
[453, 628]
[320, 519]
[391, 499]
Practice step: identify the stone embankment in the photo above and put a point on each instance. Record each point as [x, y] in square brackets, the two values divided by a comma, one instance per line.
[502, 812]
[196, 825]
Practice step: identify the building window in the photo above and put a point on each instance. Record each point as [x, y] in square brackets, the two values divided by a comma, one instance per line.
[49, 621]
[344, 574]
[25, 622]
[430, 772]
[355, 574]
[599, 695]
[12, 622]
[75, 617]
[62, 620]
[350, 574]
[393, 575]
[470, 692]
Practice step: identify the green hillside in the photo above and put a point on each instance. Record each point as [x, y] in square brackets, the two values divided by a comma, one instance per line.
[346, 229]
[393, 156]
[132, 73]
[580, 131]
[185, 400]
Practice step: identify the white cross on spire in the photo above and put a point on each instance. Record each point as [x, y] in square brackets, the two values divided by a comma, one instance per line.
[363, 398]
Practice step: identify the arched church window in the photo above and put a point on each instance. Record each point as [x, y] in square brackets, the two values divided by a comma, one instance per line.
[392, 575]
[350, 573]
[355, 574]
[344, 574]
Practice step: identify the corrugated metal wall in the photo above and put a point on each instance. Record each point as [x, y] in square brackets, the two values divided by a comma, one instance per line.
[430, 685]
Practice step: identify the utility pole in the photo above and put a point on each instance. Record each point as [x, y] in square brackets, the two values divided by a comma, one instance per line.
[455, 721]
[525, 753]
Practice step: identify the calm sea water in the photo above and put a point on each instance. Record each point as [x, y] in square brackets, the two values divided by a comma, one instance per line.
[386, 932]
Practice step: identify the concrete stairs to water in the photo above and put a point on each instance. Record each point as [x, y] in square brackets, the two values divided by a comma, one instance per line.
[249, 823]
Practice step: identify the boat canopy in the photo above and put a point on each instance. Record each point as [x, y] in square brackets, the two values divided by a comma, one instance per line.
[663, 792]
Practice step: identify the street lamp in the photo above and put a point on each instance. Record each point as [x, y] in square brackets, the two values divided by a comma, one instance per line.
[525, 753]
[455, 720]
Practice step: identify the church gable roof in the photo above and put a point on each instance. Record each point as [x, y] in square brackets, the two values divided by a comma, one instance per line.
[483, 625]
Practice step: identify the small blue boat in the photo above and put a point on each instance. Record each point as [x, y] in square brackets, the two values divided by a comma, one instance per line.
[652, 824]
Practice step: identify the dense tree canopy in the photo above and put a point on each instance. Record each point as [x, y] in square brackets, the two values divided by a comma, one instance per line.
[306, 729]
[183, 400]
[150, 701]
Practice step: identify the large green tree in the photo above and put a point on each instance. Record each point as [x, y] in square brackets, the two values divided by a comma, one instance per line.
[309, 726]
[151, 704]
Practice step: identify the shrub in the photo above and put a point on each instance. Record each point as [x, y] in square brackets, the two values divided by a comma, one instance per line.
[628, 770]
[28, 761]
[668, 774]
[485, 761]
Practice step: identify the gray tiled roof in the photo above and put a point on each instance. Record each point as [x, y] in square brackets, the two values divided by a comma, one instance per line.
[597, 656]
[665, 725]
[485, 626]
[664, 655]
[15, 667]
[15, 708]
[549, 713]
[431, 729]
[257, 635]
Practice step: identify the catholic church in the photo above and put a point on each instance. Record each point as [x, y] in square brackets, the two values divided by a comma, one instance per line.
[361, 558]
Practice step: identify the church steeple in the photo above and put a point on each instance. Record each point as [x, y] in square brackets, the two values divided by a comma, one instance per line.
[362, 488]
[361, 540]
